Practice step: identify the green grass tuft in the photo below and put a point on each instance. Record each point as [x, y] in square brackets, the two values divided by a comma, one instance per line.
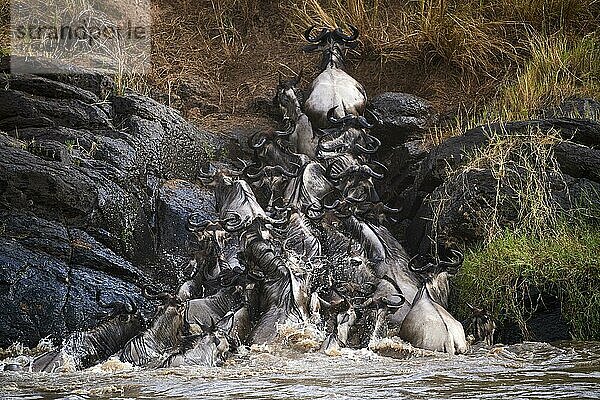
[506, 275]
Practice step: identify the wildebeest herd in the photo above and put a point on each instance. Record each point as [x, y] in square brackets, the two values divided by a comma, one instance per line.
[300, 239]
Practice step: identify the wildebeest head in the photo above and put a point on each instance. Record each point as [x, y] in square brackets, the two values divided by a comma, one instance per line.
[289, 97]
[347, 134]
[481, 326]
[333, 43]
[165, 331]
[206, 349]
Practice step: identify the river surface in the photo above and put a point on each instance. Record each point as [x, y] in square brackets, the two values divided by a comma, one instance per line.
[522, 371]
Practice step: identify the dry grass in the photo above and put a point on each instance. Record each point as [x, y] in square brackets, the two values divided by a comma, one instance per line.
[478, 59]
[526, 172]
[559, 67]
[4, 27]
[427, 31]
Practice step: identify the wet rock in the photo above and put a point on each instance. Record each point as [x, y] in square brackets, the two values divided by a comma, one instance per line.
[23, 110]
[40, 86]
[33, 288]
[80, 201]
[397, 189]
[99, 84]
[177, 199]
[86, 251]
[404, 116]
[36, 233]
[459, 202]
[49, 277]
[163, 140]
[578, 161]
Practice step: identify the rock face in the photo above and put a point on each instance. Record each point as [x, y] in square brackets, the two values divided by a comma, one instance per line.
[403, 116]
[94, 194]
[434, 184]
[443, 200]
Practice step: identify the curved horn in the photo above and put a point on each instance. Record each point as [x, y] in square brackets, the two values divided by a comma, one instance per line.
[365, 169]
[333, 206]
[283, 171]
[389, 210]
[347, 38]
[207, 175]
[131, 307]
[363, 123]
[424, 269]
[330, 116]
[317, 38]
[338, 121]
[257, 175]
[395, 300]
[194, 226]
[241, 171]
[374, 144]
[290, 126]
[283, 220]
[375, 116]
[353, 199]
[234, 222]
[452, 264]
[157, 296]
[254, 145]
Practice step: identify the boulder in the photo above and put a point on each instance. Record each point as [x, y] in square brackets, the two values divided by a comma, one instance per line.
[458, 200]
[45, 285]
[92, 196]
[403, 116]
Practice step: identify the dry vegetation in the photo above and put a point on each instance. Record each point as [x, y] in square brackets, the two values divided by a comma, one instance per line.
[474, 59]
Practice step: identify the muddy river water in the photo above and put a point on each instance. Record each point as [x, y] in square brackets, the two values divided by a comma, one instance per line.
[521, 371]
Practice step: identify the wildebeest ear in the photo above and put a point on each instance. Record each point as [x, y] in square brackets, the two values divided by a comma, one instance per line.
[225, 324]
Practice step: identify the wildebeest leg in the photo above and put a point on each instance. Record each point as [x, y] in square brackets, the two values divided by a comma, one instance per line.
[241, 326]
[48, 362]
[380, 328]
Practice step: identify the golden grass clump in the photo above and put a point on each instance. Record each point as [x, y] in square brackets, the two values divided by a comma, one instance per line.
[427, 31]
[559, 67]
[4, 27]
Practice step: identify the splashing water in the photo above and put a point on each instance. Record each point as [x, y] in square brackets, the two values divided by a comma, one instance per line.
[526, 370]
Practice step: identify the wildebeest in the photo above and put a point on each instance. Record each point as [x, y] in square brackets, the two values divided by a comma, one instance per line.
[154, 345]
[207, 310]
[347, 134]
[284, 292]
[85, 349]
[308, 188]
[481, 326]
[299, 133]
[429, 326]
[204, 349]
[333, 88]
